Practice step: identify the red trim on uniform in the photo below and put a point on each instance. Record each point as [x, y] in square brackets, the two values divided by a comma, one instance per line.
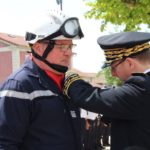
[57, 78]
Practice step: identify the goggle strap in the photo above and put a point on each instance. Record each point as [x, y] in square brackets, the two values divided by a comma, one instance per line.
[56, 34]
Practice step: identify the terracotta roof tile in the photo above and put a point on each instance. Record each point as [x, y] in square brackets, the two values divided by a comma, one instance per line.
[13, 39]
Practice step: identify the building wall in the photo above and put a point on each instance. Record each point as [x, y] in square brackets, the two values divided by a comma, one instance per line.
[11, 57]
[23, 55]
[5, 64]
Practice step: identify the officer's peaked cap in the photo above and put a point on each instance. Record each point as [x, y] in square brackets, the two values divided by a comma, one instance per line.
[120, 45]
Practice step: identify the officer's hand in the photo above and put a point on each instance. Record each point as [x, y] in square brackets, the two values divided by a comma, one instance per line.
[70, 77]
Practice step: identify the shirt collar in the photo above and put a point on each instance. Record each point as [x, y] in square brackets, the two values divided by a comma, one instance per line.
[57, 78]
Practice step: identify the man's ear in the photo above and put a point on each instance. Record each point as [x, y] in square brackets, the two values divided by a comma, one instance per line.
[37, 48]
[130, 62]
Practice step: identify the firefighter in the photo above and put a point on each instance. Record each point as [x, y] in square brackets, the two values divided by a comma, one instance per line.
[34, 114]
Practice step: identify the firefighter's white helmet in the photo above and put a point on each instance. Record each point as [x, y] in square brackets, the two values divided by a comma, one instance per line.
[56, 25]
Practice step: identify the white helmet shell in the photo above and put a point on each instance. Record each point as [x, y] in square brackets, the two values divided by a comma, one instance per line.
[49, 25]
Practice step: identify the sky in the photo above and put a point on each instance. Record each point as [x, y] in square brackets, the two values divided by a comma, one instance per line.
[17, 15]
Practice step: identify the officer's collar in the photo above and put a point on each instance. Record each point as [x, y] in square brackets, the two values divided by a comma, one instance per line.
[146, 71]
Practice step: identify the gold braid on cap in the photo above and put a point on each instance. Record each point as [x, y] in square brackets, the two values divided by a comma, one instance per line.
[118, 53]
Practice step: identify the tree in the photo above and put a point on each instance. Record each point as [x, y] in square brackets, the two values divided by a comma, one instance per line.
[127, 13]
[110, 81]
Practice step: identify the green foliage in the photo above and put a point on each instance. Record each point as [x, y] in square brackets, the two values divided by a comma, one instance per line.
[108, 77]
[128, 13]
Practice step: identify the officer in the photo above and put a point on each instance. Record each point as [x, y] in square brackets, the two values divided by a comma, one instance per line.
[33, 112]
[128, 106]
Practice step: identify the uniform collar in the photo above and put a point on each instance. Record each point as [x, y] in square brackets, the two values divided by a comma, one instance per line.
[146, 71]
[37, 72]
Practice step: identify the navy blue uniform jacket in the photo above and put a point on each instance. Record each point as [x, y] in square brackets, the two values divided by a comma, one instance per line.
[34, 114]
[128, 107]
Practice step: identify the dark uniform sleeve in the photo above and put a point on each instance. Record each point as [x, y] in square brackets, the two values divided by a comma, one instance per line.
[122, 102]
[14, 115]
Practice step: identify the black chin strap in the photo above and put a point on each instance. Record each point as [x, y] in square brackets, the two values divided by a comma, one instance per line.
[56, 67]
[48, 49]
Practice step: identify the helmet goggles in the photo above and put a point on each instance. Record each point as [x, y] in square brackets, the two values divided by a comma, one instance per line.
[69, 29]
